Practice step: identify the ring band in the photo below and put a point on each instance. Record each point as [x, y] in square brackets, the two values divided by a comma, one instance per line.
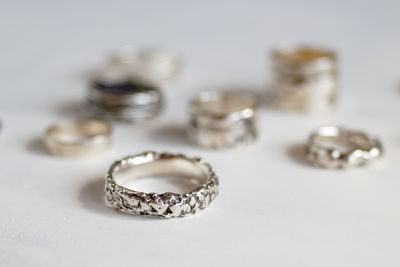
[336, 147]
[303, 79]
[168, 204]
[222, 119]
[124, 100]
[78, 138]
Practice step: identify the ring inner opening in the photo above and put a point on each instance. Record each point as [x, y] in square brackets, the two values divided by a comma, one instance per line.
[167, 175]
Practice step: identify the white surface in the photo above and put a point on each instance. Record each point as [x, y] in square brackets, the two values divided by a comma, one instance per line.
[273, 210]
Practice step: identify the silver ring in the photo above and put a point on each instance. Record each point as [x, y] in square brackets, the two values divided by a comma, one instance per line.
[147, 63]
[336, 147]
[222, 119]
[303, 79]
[78, 138]
[124, 100]
[168, 204]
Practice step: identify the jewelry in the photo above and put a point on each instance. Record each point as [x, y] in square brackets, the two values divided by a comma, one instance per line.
[303, 79]
[124, 100]
[220, 119]
[168, 204]
[336, 147]
[78, 138]
[148, 64]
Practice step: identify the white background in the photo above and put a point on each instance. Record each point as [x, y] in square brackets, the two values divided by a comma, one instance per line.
[273, 209]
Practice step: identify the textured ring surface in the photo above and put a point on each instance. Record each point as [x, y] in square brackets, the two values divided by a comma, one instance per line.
[167, 204]
[336, 147]
[222, 119]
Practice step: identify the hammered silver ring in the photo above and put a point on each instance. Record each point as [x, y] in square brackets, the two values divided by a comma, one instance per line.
[336, 147]
[168, 205]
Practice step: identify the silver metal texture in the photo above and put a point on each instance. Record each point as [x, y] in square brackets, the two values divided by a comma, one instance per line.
[167, 204]
[303, 79]
[78, 138]
[337, 147]
[222, 119]
[124, 100]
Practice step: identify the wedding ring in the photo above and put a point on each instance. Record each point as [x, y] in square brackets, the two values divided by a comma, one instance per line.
[222, 119]
[147, 63]
[124, 100]
[336, 147]
[303, 79]
[167, 204]
[78, 138]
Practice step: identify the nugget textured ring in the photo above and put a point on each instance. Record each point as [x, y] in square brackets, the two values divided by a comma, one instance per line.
[336, 147]
[167, 204]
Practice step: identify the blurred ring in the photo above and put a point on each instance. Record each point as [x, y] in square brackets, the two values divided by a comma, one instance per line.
[337, 147]
[78, 138]
[222, 119]
[148, 64]
[303, 79]
[130, 101]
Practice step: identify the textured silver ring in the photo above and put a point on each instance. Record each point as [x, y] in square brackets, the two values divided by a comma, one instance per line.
[78, 138]
[337, 147]
[222, 119]
[167, 204]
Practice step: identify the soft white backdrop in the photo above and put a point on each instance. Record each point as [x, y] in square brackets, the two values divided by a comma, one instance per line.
[273, 209]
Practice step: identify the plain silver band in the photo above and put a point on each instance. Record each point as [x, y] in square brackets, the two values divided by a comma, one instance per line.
[70, 138]
[168, 204]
